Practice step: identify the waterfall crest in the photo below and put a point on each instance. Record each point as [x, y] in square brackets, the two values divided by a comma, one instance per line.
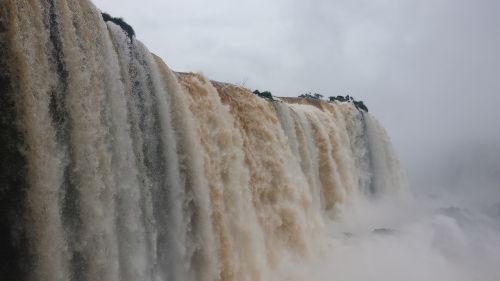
[114, 167]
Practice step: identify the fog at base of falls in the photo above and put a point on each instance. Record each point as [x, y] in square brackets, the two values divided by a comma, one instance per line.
[435, 236]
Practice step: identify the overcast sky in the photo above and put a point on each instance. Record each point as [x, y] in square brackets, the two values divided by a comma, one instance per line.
[428, 69]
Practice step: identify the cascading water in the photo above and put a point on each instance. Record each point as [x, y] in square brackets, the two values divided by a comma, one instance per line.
[113, 167]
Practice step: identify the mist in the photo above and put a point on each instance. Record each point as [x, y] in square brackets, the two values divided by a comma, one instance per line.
[419, 239]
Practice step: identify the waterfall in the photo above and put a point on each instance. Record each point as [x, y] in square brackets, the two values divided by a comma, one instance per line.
[114, 167]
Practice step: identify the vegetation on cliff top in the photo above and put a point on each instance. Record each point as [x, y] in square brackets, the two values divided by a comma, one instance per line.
[265, 94]
[121, 23]
[358, 104]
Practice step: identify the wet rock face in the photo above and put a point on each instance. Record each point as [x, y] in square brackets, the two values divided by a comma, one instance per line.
[13, 246]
